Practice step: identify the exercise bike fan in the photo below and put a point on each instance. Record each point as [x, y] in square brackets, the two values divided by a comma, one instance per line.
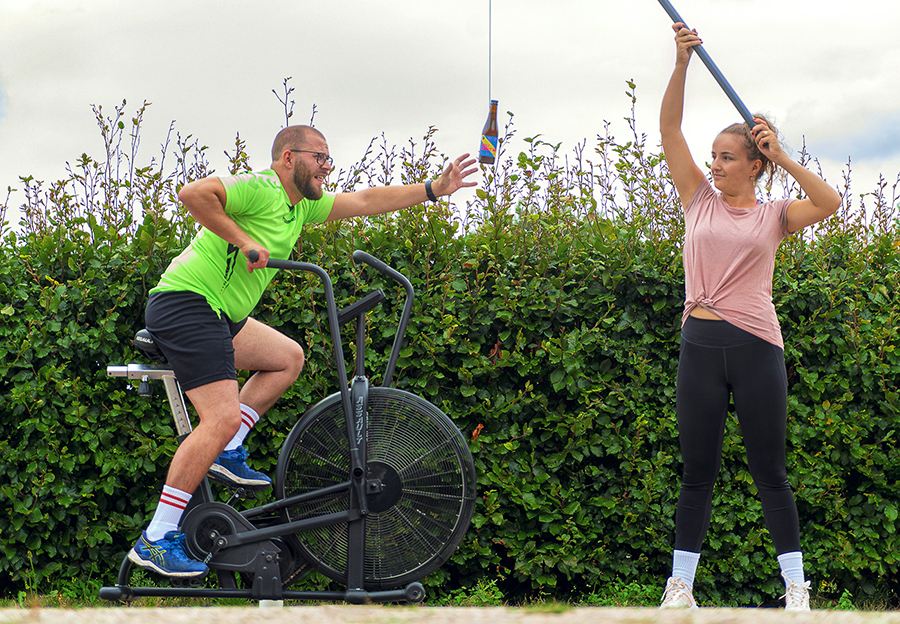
[422, 492]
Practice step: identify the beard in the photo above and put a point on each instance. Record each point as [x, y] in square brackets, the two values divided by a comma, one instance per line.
[304, 181]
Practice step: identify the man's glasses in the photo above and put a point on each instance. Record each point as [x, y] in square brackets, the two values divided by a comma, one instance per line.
[321, 158]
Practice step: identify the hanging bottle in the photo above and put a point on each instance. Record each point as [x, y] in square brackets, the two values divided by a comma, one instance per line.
[489, 137]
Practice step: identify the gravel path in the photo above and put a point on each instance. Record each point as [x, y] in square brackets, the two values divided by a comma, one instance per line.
[339, 614]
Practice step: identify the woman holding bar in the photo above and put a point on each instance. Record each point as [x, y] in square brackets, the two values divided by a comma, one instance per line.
[731, 343]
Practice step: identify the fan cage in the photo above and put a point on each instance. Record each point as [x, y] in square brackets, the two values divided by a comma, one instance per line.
[434, 503]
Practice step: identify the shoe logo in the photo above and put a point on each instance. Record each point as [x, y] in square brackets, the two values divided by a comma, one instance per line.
[155, 553]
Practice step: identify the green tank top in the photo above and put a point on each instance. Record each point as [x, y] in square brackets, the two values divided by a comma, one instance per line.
[217, 270]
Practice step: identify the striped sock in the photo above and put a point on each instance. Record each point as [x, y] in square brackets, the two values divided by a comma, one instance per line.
[684, 565]
[792, 567]
[168, 513]
[249, 417]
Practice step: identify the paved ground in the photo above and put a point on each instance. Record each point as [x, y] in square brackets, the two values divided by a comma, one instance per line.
[334, 614]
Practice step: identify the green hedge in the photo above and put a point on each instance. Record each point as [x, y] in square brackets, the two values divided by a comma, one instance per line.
[546, 326]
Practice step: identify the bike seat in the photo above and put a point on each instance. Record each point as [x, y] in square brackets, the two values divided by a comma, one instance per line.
[144, 342]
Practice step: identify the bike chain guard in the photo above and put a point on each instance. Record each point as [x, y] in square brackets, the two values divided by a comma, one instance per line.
[207, 528]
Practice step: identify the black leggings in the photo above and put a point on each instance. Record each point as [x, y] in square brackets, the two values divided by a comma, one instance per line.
[717, 360]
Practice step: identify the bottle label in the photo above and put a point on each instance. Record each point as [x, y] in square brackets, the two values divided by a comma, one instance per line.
[488, 147]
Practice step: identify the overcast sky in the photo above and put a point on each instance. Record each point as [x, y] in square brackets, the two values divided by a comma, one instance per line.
[824, 70]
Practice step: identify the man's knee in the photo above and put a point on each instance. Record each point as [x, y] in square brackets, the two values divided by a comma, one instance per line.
[231, 424]
[225, 423]
[218, 406]
[296, 360]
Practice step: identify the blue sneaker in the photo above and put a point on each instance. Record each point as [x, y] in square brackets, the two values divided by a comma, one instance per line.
[166, 556]
[232, 470]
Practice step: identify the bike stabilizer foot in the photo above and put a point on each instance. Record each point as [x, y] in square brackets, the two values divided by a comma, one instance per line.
[412, 593]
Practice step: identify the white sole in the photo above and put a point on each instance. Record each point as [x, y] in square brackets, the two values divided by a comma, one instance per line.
[233, 478]
[136, 559]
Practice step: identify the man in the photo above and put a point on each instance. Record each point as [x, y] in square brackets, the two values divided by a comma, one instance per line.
[198, 314]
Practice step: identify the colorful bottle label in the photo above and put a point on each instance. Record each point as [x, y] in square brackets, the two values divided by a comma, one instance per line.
[488, 147]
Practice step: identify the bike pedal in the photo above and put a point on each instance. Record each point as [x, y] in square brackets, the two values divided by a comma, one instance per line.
[237, 491]
[243, 492]
[191, 582]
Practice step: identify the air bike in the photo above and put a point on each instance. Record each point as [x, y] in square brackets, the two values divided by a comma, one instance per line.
[374, 487]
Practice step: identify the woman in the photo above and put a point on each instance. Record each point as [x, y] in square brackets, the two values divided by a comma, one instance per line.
[731, 341]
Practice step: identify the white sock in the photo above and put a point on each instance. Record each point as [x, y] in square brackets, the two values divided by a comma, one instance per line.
[792, 567]
[684, 565]
[249, 417]
[168, 512]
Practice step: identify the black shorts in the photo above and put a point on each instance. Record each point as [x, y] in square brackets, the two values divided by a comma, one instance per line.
[197, 343]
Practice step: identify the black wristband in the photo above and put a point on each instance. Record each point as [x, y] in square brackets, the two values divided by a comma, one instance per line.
[429, 192]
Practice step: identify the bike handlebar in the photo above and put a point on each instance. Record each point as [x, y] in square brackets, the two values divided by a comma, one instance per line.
[372, 261]
[359, 256]
[274, 263]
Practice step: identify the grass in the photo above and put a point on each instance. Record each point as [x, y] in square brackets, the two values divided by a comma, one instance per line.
[622, 594]
[84, 593]
[80, 594]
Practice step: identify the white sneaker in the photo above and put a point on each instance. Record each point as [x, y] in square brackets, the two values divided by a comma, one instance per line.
[796, 598]
[677, 595]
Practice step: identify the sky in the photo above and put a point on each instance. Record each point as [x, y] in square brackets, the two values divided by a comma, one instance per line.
[826, 72]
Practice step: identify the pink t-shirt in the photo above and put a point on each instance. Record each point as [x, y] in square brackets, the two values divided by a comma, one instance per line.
[729, 260]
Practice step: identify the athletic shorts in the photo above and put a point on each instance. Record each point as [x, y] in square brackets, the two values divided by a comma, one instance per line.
[195, 340]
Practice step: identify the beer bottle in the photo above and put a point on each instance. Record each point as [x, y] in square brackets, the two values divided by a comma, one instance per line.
[488, 151]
